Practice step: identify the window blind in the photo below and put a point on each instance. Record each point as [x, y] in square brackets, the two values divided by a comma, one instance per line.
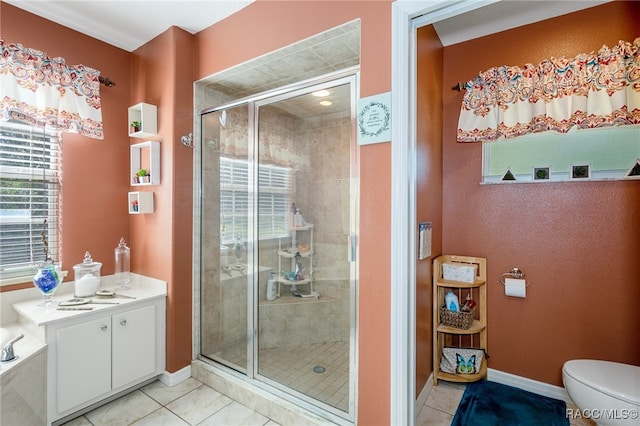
[29, 197]
[274, 187]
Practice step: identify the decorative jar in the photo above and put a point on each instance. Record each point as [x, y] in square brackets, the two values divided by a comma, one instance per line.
[47, 279]
[86, 277]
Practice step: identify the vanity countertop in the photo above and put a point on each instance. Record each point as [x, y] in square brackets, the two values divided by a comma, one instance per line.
[142, 288]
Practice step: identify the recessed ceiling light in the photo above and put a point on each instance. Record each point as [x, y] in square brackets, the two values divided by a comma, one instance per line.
[321, 93]
[326, 103]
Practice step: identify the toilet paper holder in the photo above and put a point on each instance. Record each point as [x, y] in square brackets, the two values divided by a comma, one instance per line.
[515, 272]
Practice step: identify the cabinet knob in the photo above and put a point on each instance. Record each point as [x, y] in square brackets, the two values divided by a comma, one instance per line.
[123, 322]
[103, 327]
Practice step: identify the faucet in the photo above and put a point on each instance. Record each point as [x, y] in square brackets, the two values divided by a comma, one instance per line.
[7, 350]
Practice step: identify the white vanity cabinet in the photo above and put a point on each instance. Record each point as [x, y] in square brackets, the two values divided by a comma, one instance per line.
[81, 351]
[133, 340]
[95, 354]
[114, 351]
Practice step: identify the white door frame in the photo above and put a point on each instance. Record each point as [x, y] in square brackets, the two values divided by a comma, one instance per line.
[406, 17]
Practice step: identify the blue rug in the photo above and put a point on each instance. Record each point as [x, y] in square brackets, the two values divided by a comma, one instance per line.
[492, 404]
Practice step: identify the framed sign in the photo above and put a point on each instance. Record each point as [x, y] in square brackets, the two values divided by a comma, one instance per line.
[374, 119]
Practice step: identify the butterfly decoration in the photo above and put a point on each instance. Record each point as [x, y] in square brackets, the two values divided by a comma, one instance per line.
[465, 366]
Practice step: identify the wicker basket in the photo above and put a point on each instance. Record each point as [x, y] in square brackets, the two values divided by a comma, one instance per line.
[457, 319]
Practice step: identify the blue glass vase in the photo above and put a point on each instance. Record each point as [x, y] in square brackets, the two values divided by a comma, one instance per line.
[47, 279]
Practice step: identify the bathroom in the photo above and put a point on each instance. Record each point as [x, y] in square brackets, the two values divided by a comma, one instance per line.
[575, 241]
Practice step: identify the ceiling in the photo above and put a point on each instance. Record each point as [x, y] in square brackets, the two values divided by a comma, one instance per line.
[499, 16]
[333, 50]
[128, 24]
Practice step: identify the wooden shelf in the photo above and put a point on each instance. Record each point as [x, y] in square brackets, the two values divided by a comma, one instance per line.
[444, 335]
[459, 284]
[476, 327]
[463, 378]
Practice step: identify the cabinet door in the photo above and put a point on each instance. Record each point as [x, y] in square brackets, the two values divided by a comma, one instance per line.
[83, 361]
[134, 345]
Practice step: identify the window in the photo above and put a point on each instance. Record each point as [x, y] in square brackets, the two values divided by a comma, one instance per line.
[608, 153]
[273, 200]
[29, 198]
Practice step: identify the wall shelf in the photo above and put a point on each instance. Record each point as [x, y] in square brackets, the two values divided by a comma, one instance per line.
[147, 115]
[140, 202]
[145, 155]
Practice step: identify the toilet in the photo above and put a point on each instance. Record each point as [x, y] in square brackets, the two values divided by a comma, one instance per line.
[606, 392]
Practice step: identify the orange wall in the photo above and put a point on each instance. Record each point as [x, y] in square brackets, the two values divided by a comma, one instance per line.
[429, 187]
[162, 71]
[274, 25]
[577, 242]
[95, 172]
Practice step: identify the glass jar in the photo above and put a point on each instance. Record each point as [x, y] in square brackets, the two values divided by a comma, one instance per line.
[123, 263]
[87, 277]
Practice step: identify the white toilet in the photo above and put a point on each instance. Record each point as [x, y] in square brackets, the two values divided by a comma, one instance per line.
[607, 392]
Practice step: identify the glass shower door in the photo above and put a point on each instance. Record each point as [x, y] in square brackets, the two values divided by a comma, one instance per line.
[305, 160]
[278, 211]
[225, 231]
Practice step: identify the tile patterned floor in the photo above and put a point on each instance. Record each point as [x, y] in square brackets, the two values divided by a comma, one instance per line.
[193, 403]
[188, 403]
[441, 404]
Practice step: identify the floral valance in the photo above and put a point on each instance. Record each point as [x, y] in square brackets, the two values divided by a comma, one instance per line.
[45, 92]
[591, 90]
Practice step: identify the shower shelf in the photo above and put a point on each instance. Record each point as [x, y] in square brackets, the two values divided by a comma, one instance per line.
[291, 300]
[295, 282]
[291, 254]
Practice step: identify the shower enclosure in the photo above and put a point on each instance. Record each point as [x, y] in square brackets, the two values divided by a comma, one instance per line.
[264, 159]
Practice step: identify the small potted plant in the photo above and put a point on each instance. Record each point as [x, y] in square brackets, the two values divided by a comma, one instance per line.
[143, 176]
[135, 127]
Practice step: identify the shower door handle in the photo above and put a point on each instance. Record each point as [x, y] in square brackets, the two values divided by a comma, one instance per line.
[351, 242]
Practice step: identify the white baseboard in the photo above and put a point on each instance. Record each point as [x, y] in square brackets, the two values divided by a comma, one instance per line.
[172, 379]
[530, 385]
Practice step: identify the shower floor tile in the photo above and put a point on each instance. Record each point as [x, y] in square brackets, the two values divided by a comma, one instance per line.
[294, 368]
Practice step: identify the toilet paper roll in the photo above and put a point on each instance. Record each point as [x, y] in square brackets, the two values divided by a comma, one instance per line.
[515, 287]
